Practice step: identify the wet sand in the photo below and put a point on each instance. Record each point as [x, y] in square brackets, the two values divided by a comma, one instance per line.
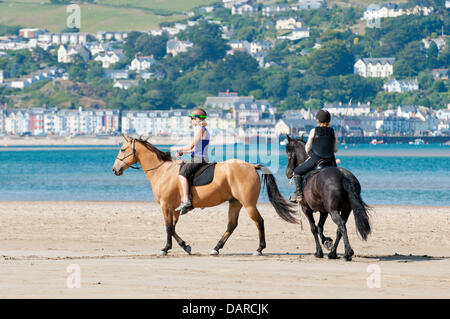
[114, 247]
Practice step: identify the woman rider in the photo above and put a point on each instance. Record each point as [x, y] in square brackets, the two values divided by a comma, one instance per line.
[322, 144]
[199, 156]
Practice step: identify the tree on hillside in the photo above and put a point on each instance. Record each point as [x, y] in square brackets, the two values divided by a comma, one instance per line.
[146, 45]
[411, 60]
[334, 58]
[207, 37]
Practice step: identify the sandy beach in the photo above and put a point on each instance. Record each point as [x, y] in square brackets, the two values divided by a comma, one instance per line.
[113, 248]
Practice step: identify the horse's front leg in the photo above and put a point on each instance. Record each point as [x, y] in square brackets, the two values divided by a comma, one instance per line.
[179, 240]
[170, 228]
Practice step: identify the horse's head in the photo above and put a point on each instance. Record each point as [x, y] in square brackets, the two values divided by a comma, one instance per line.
[126, 157]
[295, 150]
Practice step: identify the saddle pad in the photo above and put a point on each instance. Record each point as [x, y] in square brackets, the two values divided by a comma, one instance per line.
[204, 175]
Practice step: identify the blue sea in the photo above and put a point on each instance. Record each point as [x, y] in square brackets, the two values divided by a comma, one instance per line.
[389, 174]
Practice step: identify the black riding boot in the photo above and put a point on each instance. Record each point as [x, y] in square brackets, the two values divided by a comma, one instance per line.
[298, 195]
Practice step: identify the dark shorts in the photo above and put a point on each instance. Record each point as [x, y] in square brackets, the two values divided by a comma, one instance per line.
[310, 163]
[189, 168]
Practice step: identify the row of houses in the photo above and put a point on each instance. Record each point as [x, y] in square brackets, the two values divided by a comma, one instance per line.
[249, 7]
[403, 121]
[248, 118]
[43, 121]
[393, 10]
[27, 80]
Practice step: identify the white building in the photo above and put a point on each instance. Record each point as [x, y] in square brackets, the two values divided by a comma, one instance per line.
[1, 76]
[443, 114]
[154, 122]
[98, 47]
[406, 111]
[111, 36]
[16, 121]
[288, 23]
[229, 3]
[272, 9]
[260, 45]
[238, 45]
[344, 109]
[393, 10]
[374, 67]
[142, 63]
[110, 57]
[244, 9]
[296, 34]
[401, 86]
[69, 38]
[226, 100]
[175, 47]
[66, 53]
[125, 84]
[308, 4]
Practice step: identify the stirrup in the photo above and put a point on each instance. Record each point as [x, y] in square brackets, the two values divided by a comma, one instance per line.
[296, 198]
[184, 207]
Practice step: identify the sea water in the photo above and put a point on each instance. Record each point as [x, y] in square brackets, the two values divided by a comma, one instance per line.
[389, 174]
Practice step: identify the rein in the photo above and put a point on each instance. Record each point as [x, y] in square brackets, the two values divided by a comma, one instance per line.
[134, 155]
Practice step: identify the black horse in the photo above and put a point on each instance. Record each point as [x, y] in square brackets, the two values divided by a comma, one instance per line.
[333, 191]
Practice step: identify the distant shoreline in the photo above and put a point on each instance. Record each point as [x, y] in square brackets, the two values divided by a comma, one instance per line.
[98, 140]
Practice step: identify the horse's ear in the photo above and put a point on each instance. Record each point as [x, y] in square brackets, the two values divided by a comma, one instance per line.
[126, 137]
[288, 138]
[301, 137]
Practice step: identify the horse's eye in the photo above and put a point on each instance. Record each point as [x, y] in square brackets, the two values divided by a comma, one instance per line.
[123, 149]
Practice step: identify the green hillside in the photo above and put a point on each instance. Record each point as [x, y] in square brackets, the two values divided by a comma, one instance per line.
[105, 15]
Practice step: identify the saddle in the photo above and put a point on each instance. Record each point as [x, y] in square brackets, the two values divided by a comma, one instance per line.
[319, 166]
[204, 175]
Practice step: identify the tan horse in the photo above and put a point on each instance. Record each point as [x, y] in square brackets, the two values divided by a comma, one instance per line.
[234, 181]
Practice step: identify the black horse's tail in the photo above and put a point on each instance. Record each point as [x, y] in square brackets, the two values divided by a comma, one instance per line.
[360, 209]
[283, 208]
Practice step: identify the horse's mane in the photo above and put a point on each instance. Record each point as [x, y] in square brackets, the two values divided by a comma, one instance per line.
[163, 156]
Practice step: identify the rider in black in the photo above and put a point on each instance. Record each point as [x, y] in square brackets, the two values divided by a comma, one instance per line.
[322, 144]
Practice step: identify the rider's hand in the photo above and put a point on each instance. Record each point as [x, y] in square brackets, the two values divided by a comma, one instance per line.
[179, 154]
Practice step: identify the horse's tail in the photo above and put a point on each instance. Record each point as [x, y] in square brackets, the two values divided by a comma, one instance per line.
[360, 209]
[283, 208]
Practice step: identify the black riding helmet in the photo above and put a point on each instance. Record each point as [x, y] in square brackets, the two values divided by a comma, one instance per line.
[323, 116]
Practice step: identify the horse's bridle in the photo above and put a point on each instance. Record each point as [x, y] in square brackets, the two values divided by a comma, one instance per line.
[134, 155]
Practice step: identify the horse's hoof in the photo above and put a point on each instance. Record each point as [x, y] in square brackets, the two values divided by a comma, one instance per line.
[332, 256]
[319, 254]
[328, 244]
[348, 257]
[214, 252]
[257, 253]
[163, 253]
[188, 249]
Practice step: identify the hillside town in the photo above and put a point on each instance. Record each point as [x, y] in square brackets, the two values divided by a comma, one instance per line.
[228, 112]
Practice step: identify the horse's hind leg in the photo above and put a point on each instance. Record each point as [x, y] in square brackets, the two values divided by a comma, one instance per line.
[326, 241]
[233, 214]
[341, 220]
[259, 221]
[309, 215]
